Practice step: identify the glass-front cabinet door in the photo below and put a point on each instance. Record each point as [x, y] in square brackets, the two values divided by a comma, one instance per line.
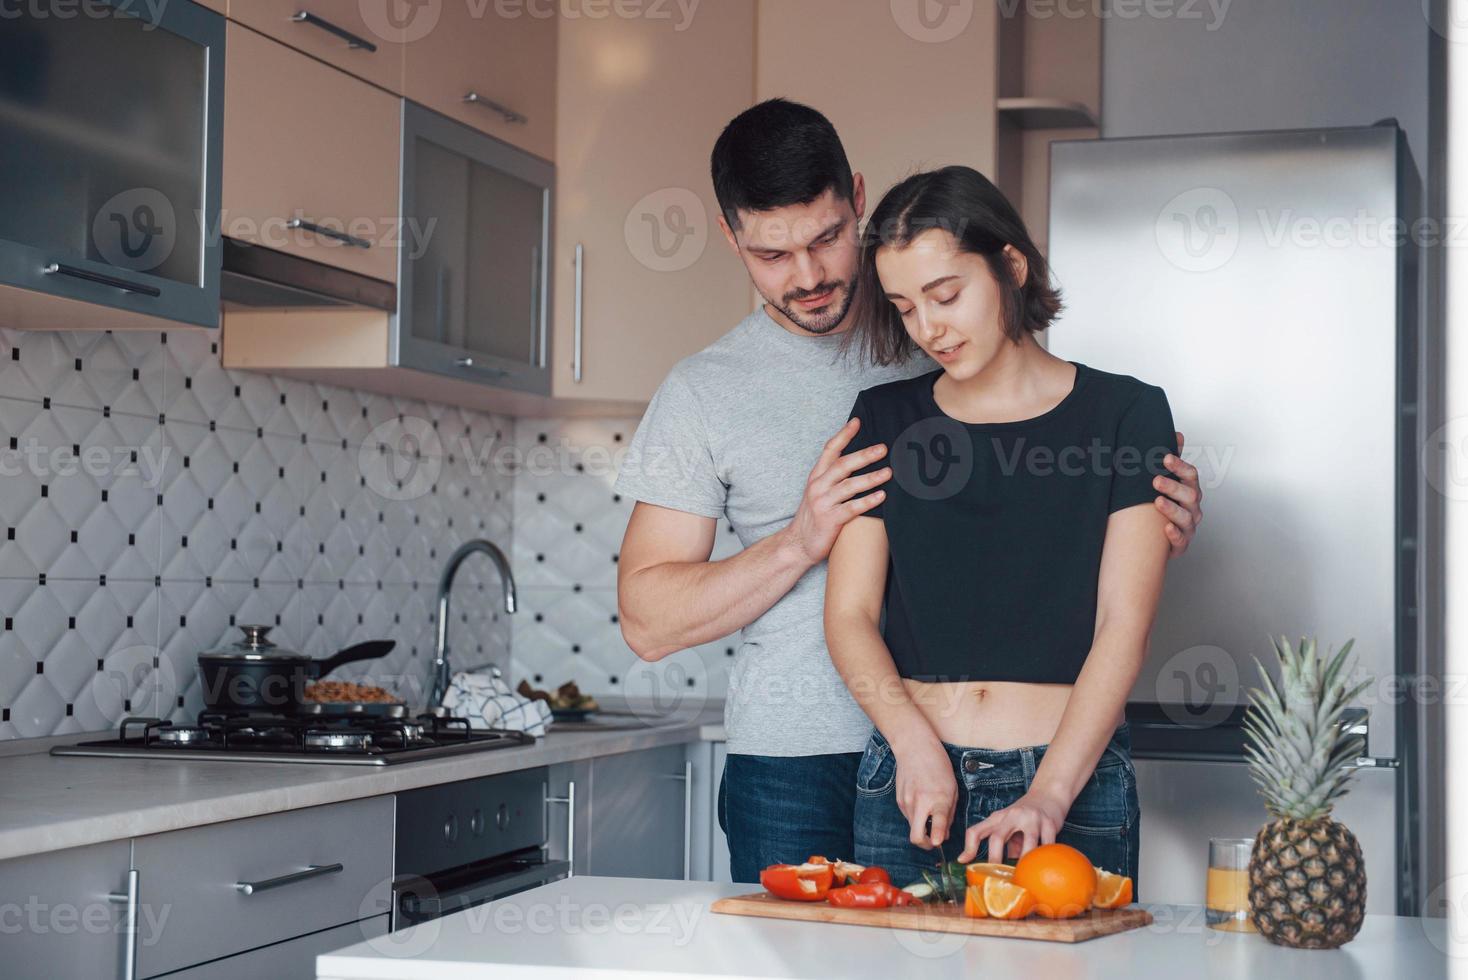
[110, 117]
[473, 280]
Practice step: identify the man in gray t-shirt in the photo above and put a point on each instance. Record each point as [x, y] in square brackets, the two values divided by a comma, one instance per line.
[743, 431]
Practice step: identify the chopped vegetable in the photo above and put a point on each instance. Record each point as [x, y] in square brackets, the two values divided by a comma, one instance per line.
[875, 895]
[869, 875]
[797, 882]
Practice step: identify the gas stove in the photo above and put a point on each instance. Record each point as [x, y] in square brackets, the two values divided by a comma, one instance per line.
[353, 740]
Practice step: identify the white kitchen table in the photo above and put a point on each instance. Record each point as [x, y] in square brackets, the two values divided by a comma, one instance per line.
[607, 928]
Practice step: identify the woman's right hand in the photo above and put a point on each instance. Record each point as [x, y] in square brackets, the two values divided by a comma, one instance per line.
[926, 789]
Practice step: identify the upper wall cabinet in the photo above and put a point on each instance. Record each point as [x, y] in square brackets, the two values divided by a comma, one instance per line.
[643, 276]
[488, 65]
[363, 38]
[310, 158]
[109, 142]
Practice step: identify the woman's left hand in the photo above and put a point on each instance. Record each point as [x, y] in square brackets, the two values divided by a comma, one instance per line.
[1035, 817]
[1181, 501]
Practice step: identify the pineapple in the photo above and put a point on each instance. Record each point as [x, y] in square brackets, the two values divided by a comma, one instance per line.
[1307, 881]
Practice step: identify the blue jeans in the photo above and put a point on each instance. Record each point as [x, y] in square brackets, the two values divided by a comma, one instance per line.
[782, 810]
[1103, 823]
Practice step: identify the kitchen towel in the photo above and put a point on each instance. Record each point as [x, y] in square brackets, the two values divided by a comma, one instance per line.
[487, 702]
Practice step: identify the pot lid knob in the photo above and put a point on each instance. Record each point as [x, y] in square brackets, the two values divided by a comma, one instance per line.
[257, 637]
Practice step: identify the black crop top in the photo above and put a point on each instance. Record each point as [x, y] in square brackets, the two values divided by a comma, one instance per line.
[995, 529]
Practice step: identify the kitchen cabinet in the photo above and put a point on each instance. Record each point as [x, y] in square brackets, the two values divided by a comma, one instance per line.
[294, 959]
[491, 66]
[110, 129]
[642, 276]
[364, 39]
[57, 918]
[236, 887]
[640, 811]
[310, 158]
[707, 843]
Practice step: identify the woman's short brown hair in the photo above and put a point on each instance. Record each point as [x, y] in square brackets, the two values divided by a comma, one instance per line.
[963, 202]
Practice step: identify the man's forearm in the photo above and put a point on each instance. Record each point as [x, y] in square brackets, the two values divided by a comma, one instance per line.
[676, 605]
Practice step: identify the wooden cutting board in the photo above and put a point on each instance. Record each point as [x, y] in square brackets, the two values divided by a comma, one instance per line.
[942, 918]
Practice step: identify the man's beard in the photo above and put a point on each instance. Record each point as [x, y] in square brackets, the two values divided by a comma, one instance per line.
[829, 318]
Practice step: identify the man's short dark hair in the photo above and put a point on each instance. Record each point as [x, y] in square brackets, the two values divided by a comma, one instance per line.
[776, 154]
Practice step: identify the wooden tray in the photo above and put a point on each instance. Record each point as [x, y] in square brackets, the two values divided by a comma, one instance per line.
[942, 918]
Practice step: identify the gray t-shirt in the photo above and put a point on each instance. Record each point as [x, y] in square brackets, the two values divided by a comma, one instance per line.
[733, 433]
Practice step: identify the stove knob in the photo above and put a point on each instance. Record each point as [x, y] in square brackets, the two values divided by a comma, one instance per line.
[502, 818]
[476, 823]
[451, 829]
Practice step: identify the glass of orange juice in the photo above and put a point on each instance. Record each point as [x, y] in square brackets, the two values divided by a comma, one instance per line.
[1227, 904]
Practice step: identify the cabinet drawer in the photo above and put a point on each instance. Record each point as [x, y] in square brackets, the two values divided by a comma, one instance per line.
[302, 141]
[292, 960]
[194, 877]
[328, 28]
[505, 55]
[69, 889]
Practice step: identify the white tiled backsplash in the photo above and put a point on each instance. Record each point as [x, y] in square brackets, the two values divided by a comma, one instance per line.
[151, 500]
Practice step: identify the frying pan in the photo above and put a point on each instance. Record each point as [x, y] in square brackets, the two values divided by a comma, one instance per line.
[258, 677]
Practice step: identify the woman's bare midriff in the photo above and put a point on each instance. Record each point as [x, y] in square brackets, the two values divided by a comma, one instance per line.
[992, 714]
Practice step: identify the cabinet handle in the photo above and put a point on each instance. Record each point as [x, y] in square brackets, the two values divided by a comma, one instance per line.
[580, 289]
[468, 362]
[57, 269]
[314, 871]
[353, 40]
[510, 115]
[1377, 763]
[686, 778]
[570, 800]
[535, 305]
[129, 899]
[332, 233]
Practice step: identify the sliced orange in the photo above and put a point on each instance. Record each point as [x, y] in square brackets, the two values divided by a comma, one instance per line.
[1112, 890]
[976, 873]
[1006, 900]
[973, 902]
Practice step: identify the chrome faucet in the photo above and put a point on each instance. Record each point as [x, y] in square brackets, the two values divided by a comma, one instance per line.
[445, 586]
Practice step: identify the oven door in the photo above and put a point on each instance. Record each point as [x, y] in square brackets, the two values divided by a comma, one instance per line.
[418, 899]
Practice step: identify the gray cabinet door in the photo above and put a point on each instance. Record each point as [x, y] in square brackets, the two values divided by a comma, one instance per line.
[568, 812]
[637, 815]
[109, 141]
[473, 294]
[55, 917]
[291, 960]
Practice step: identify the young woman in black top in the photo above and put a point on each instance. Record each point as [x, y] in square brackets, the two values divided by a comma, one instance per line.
[991, 613]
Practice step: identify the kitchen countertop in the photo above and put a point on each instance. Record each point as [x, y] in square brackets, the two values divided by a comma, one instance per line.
[48, 803]
[629, 927]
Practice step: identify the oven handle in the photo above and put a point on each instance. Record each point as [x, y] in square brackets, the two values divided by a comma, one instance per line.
[479, 892]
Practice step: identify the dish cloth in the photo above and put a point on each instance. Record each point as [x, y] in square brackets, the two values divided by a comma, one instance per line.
[487, 702]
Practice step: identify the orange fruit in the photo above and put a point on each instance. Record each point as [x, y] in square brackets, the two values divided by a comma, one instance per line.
[973, 902]
[975, 873]
[1061, 878]
[1006, 900]
[1112, 890]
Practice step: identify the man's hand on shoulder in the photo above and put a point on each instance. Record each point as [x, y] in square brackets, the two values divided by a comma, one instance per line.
[828, 504]
[1181, 501]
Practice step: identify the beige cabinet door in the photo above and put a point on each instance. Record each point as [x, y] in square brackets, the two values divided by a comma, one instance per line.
[491, 66]
[364, 38]
[311, 158]
[642, 101]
